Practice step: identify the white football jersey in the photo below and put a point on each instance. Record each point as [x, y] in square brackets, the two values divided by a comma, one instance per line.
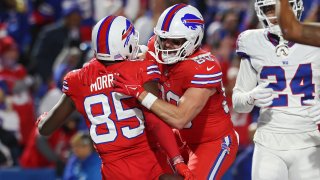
[294, 77]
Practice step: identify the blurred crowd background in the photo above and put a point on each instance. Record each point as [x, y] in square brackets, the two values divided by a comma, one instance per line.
[42, 40]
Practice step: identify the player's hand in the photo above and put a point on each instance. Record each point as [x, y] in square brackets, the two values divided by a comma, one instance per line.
[314, 110]
[182, 168]
[127, 85]
[89, 74]
[261, 96]
[184, 171]
[86, 77]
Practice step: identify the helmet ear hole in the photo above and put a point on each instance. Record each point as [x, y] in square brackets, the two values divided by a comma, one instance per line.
[130, 48]
[196, 42]
[123, 31]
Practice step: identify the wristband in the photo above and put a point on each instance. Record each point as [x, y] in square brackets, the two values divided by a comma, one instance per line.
[149, 100]
[178, 159]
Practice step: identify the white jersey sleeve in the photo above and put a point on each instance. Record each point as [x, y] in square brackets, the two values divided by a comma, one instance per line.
[246, 79]
[241, 49]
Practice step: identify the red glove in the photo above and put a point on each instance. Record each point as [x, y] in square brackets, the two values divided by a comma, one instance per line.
[182, 168]
[184, 171]
[86, 77]
[127, 85]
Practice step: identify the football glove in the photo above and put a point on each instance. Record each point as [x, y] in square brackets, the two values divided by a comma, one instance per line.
[89, 74]
[86, 77]
[128, 86]
[261, 96]
[314, 110]
[182, 169]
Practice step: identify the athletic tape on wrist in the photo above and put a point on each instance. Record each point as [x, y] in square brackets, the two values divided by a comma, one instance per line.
[149, 100]
[178, 159]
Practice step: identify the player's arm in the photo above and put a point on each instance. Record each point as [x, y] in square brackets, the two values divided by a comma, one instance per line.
[292, 29]
[165, 136]
[158, 128]
[246, 81]
[56, 116]
[190, 104]
[163, 133]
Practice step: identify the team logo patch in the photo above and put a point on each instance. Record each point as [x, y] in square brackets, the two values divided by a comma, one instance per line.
[192, 21]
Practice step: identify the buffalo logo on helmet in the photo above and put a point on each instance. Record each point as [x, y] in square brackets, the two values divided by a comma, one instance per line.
[192, 22]
[128, 32]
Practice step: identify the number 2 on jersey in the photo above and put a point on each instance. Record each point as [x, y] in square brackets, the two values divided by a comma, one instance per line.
[301, 83]
[104, 118]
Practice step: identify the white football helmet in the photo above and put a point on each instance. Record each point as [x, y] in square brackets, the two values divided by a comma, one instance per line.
[114, 38]
[176, 22]
[261, 5]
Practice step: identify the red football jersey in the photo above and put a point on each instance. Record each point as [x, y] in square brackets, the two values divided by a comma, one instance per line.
[115, 121]
[201, 70]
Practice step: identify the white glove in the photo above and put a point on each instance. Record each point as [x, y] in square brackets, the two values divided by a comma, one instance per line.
[261, 96]
[314, 110]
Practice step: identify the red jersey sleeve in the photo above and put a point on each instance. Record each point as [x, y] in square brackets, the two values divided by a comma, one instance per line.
[150, 72]
[69, 82]
[205, 74]
[163, 133]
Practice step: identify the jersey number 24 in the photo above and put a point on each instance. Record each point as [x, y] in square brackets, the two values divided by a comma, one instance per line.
[301, 83]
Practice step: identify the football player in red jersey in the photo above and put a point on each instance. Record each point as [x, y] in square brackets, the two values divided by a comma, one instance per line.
[116, 121]
[293, 29]
[191, 88]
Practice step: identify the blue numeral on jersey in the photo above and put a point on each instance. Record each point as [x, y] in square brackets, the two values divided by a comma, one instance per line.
[279, 86]
[301, 83]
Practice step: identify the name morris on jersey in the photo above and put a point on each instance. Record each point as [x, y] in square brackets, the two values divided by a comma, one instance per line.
[102, 82]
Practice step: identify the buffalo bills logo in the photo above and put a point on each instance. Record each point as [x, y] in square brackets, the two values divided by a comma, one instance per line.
[192, 21]
[128, 32]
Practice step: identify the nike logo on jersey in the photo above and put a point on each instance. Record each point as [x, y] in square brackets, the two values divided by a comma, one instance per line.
[209, 68]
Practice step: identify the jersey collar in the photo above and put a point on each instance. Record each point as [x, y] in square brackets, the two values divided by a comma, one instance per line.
[274, 39]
